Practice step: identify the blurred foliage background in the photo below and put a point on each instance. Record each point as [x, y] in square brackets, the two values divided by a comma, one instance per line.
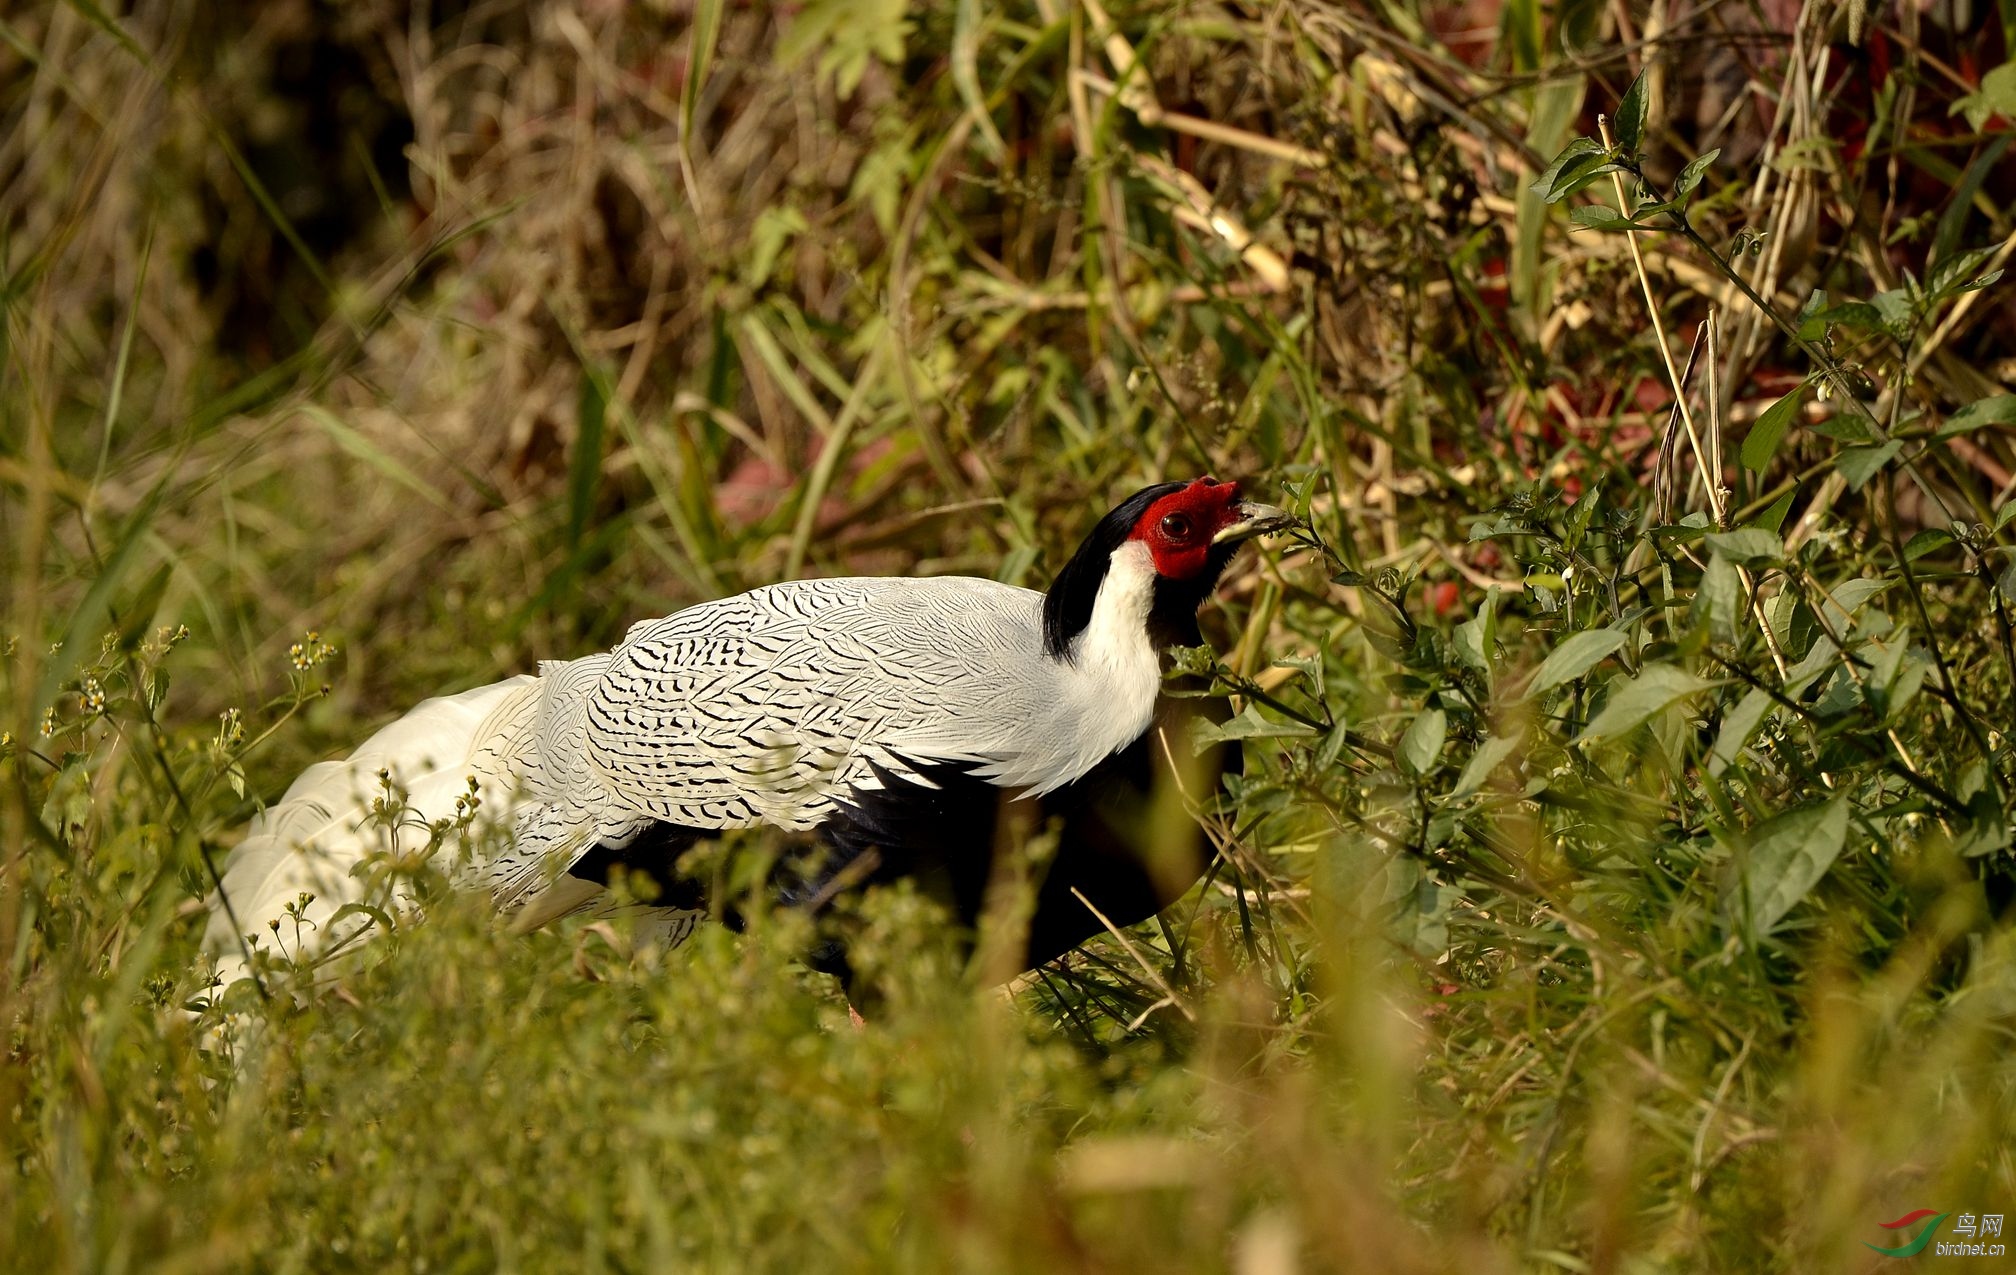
[1619, 878]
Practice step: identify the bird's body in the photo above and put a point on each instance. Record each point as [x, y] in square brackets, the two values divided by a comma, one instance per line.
[888, 721]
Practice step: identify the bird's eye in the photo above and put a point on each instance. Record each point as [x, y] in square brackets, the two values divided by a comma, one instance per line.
[1176, 526]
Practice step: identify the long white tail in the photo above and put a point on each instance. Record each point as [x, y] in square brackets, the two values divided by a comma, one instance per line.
[313, 839]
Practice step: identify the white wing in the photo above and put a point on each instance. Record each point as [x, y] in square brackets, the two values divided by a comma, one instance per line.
[763, 708]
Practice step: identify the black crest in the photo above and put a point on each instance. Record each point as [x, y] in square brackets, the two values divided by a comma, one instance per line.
[1067, 608]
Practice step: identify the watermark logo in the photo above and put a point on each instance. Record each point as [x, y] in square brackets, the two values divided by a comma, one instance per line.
[1916, 1245]
[1974, 1229]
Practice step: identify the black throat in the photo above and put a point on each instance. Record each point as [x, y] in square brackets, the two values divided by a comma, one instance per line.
[1172, 619]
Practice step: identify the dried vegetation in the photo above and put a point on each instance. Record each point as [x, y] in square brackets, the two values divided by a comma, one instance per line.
[1620, 874]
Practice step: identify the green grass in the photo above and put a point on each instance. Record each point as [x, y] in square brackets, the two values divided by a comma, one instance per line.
[1619, 877]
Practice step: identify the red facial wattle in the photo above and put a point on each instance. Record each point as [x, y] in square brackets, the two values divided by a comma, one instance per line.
[1179, 528]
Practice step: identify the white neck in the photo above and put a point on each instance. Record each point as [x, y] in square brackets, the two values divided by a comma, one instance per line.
[1114, 644]
[1114, 664]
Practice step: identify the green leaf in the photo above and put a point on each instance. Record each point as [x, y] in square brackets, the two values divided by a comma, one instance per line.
[1580, 148]
[1525, 33]
[1986, 829]
[1845, 427]
[1631, 115]
[1975, 285]
[1738, 725]
[1859, 464]
[67, 808]
[706, 30]
[2005, 514]
[1787, 857]
[967, 35]
[1998, 410]
[1333, 748]
[1555, 106]
[1386, 626]
[1503, 525]
[1773, 518]
[846, 34]
[1688, 529]
[1489, 756]
[1842, 695]
[584, 470]
[1997, 96]
[1761, 443]
[1477, 637]
[1192, 661]
[1309, 666]
[1844, 599]
[1809, 323]
[775, 227]
[879, 183]
[1719, 601]
[1422, 743]
[1420, 905]
[1247, 725]
[1948, 276]
[155, 689]
[1960, 202]
[367, 917]
[1598, 217]
[1930, 540]
[1894, 304]
[1581, 175]
[1896, 675]
[1691, 176]
[1580, 515]
[1631, 703]
[1746, 545]
[1574, 657]
[1795, 626]
[1300, 496]
[1851, 314]
[1808, 154]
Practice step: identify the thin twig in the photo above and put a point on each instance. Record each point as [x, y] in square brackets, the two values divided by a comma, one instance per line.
[1673, 377]
[1711, 476]
[1155, 977]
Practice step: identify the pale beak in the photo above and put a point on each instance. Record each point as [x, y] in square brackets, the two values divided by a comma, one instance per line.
[1254, 520]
